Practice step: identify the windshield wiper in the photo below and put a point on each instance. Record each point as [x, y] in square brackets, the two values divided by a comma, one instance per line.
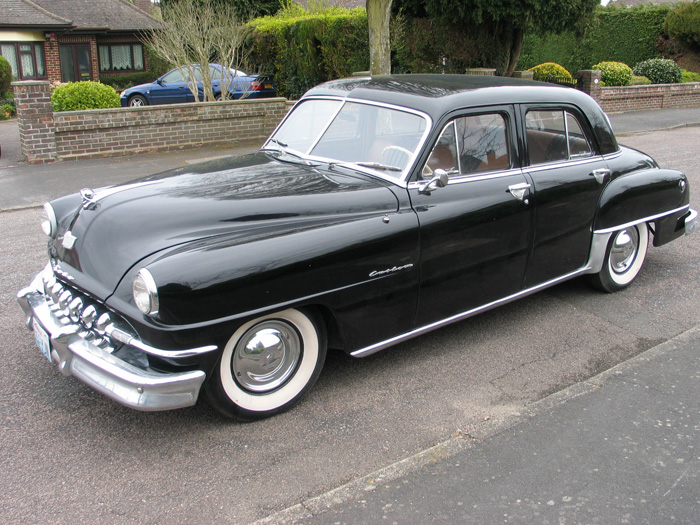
[284, 151]
[378, 166]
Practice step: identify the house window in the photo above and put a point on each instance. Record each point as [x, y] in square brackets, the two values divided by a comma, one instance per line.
[75, 62]
[121, 57]
[25, 58]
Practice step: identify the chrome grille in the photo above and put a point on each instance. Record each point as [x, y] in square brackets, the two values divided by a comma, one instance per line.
[71, 306]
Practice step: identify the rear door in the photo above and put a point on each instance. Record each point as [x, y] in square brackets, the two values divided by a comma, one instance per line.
[476, 231]
[568, 177]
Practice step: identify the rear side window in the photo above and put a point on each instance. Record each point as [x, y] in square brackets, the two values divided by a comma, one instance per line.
[471, 144]
[555, 136]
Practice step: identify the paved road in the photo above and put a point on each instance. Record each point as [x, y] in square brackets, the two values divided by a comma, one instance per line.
[68, 455]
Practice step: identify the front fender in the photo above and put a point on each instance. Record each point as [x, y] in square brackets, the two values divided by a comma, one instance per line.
[642, 196]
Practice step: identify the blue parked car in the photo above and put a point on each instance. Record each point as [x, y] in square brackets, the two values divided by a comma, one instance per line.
[172, 87]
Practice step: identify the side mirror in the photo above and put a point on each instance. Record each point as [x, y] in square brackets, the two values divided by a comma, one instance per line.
[159, 81]
[439, 180]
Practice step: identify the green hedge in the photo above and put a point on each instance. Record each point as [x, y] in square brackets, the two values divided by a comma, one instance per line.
[121, 82]
[619, 34]
[302, 49]
[84, 95]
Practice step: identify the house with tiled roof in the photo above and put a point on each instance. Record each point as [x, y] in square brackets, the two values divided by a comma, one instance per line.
[69, 40]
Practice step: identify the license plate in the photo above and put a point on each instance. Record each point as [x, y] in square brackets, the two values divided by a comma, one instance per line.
[42, 340]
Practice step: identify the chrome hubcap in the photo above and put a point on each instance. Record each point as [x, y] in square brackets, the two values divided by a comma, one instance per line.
[624, 250]
[266, 356]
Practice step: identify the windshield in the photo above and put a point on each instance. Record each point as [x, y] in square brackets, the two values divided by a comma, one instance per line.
[375, 137]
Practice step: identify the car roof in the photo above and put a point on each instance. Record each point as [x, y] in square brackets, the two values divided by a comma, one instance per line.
[437, 95]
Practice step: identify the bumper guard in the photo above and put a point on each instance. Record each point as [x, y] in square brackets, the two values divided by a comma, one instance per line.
[74, 353]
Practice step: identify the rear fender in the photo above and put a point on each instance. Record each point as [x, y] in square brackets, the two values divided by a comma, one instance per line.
[656, 196]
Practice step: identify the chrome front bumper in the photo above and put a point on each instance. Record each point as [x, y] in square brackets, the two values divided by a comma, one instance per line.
[77, 351]
[691, 222]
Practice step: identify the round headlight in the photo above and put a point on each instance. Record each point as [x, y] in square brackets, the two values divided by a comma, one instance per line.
[145, 292]
[48, 221]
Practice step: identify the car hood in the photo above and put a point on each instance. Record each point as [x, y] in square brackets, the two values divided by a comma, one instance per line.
[228, 199]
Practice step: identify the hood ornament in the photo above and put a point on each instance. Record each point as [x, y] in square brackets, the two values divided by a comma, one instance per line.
[88, 196]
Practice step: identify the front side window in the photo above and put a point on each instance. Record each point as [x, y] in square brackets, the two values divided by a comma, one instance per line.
[471, 144]
[554, 136]
[121, 57]
[26, 59]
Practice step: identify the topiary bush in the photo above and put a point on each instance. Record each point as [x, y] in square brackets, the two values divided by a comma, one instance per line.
[639, 81]
[614, 73]
[84, 95]
[5, 77]
[659, 71]
[549, 69]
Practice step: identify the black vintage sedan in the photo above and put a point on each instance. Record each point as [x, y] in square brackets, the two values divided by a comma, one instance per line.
[380, 209]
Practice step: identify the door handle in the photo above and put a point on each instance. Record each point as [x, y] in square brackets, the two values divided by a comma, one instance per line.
[519, 190]
[600, 174]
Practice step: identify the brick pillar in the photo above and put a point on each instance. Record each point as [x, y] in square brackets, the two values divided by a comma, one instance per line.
[37, 135]
[52, 59]
[589, 82]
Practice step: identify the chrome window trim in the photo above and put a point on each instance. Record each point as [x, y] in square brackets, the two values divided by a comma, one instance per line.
[483, 175]
[612, 156]
[651, 218]
[560, 164]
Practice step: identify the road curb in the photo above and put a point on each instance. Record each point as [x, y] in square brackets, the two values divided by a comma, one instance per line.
[669, 128]
[355, 489]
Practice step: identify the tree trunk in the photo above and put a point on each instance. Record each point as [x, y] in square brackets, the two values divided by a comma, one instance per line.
[516, 47]
[378, 17]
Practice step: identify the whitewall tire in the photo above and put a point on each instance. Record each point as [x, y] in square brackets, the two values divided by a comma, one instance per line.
[268, 364]
[624, 258]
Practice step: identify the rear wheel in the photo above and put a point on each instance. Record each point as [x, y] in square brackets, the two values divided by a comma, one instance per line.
[624, 258]
[268, 364]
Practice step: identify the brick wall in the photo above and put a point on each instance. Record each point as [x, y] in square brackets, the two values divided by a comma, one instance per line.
[655, 96]
[69, 135]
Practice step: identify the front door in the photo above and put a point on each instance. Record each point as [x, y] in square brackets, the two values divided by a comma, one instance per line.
[75, 62]
[476, 231]
[568, 178]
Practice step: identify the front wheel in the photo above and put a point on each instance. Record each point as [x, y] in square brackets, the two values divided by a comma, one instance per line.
[624, 258]
[138, 101]
[268, 364]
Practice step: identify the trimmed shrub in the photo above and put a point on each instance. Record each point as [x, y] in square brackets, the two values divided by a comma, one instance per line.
[659, 71]
[84, 95]
[5, 77]
[689, 76]
[614, 73]
[639, 81]
[549, 69]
